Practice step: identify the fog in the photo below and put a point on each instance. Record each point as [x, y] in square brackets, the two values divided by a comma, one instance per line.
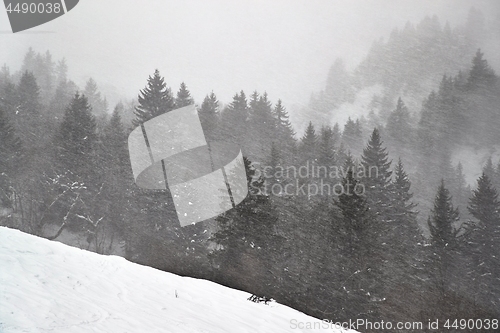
[282, 47]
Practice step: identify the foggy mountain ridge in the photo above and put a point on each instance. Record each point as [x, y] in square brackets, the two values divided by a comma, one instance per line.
[409, 64]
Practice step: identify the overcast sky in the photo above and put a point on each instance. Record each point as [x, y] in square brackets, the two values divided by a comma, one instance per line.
[284, 47]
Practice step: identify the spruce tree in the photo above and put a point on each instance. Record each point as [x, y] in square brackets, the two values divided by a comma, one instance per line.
[484, 205]
[28, 93]
[403, 251]
[62, 98]
[444, 244]
[96, 101]
[326, 154]
[28, 111]
[5, 77]
[274, 161]
[10, 158]
[183, 97]
[254, 100]
[115, 174]
[8, 98]
[402, 206]
[355, 211]
[496, 179]
[481, 74]
[484, 238]
[360, 244]
[308, 144]
[114, 139]
[488, 169]
[247, 232]
[352, 136]
[234, 120]
[76, 138]
[442, 220]
[285, 135]
[158, 215]
[209, 116]
[398, 124]
[376, 165]
[261, 127]
[62, 71]
[155, 99]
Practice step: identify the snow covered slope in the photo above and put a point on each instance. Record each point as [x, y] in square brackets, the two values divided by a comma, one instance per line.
[50, 287]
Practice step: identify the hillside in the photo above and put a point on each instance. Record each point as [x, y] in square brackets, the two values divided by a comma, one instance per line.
[409, 63]
[47, 286]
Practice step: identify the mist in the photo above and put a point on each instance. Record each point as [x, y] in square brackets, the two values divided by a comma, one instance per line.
[282, 47]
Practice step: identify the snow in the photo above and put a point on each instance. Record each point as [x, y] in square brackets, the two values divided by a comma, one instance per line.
[47, 286]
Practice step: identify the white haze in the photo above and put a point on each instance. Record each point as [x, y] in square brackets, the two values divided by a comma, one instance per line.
[283, 47]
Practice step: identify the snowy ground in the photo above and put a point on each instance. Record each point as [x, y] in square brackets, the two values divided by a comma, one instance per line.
[51, 287]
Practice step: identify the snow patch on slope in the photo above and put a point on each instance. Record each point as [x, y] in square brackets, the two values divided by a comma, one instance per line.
[48, 286]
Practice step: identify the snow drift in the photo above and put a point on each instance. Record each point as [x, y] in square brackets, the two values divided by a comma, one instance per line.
[48, 286]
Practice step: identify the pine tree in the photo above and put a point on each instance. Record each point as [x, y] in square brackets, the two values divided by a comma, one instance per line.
[359, 241]
[114, 168]
[398, 124]
[254, 100]
[42, 67]
[209, 116]
[485, 237]
[5, 77]
[155, 99]
[350, 164]
[336, 135]
[285, 134]
[442, 220]
[355, 211]
[496, 179]
[63, 95]
[403, 252]
[8, 95]
[183, 97]
[61, 71]
[352, 136]
[404, 235]
[326, 153]
[342, 154]
[98, 104]
[29, 60]
[234, 120]
[402, 206]
[488, 169]
[376, 164]
[484, 205]
[27, 115]
[481, 74]
[275, 160]
[308, 144]
[246, 233]
[76, 138]
[443, 239]
[10, 158]
[261, 127]
[115, 139]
